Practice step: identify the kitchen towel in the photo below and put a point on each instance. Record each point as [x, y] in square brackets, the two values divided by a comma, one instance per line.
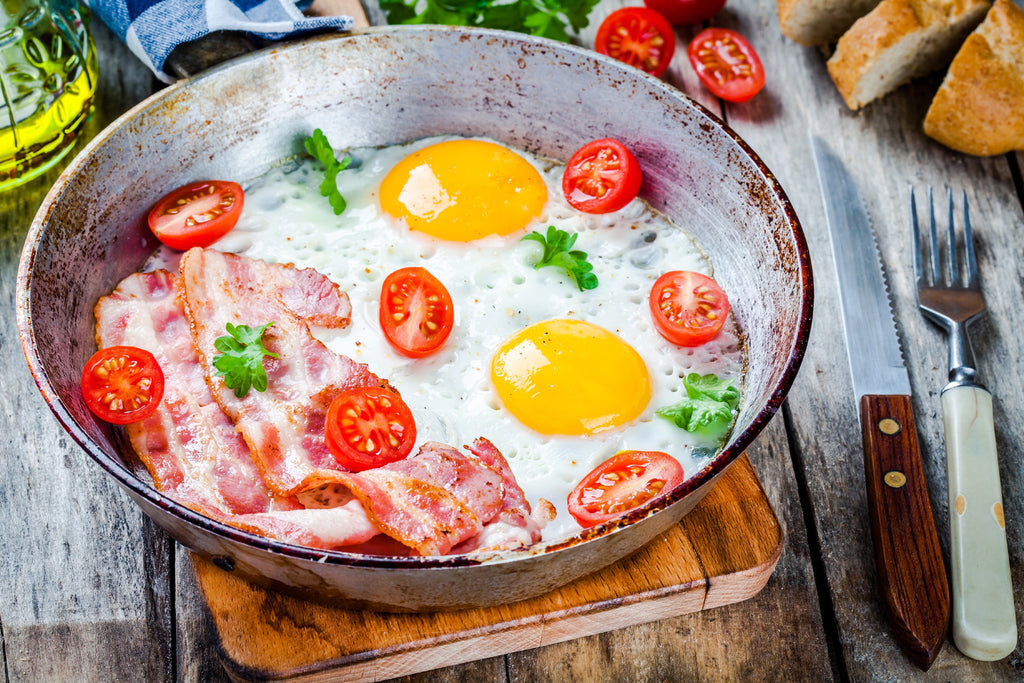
[153, 28]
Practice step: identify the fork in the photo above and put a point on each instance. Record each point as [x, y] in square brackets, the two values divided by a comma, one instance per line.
[984, 624]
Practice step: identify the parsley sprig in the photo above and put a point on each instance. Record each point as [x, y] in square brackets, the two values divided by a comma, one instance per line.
[240, 360]
[320, 149]
[558, 252]
[548, 18]
[708, 409]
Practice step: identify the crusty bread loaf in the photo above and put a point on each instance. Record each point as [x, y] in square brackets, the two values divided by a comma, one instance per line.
[820, 22]
[898, 41]
[979, 108]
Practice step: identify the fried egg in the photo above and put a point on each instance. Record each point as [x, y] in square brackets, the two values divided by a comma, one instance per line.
[557, 378]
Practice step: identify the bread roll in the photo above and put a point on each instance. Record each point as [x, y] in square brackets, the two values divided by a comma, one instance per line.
[898, 41]
[820, 22]
[979, 108]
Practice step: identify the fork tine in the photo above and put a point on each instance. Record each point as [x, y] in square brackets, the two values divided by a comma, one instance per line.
[916, 238]
[954, 268]
[972, 263]
[933, 242]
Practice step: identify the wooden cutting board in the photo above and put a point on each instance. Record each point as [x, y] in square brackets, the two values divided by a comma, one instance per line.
[722, 552]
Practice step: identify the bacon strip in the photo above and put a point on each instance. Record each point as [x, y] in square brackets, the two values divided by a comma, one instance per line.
[431, 501]
[283, 426]
[190, 447]
[515, 525]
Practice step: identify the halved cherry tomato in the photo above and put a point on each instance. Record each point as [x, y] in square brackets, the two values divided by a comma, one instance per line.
[416, 311]
[623, 482]
[727, 64]
[639, 37]
[688, 308]
[122, 384]
[197, 214]
[368, 427]
[602, 176]
[679, 12]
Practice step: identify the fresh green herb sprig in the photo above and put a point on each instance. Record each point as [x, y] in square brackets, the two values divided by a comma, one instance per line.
[240, 360]
[320, 149]
[547, 18]
[558, 252]
[709, 408]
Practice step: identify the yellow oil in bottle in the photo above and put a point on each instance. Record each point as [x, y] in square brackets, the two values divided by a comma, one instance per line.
[48, 75]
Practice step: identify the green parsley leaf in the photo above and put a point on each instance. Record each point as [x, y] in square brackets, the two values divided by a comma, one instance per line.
[548, 18]
[240, 361]
[708, 410]
[558, 252]
[320, 149]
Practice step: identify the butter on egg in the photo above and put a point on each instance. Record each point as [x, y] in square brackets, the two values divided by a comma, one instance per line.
[463, 190]
[570, 377]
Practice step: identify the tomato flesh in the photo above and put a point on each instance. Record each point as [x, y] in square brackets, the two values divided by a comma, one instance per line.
[727, 64]
[624, 482]
[368, 427]
[122, 384]
[688, 308]
[602, 176]
[680, 12]
[416, 312]
[197, 214]
[637, 36]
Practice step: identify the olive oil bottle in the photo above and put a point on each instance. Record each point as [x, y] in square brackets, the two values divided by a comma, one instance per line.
[48, 75]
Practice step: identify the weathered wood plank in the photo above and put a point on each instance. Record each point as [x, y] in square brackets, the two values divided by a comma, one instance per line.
[887, 152]
[85, 593]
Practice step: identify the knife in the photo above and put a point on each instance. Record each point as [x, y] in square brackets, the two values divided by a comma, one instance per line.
[908, 557]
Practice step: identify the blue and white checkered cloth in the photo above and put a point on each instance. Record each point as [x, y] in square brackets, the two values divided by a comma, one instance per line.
[153, 28]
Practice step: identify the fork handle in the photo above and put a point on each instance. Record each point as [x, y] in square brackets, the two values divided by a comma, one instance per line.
[984, 623]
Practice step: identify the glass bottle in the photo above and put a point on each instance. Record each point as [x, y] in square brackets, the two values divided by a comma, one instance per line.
[48, 76]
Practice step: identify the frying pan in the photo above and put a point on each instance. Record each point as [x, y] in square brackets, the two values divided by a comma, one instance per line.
[383, 86]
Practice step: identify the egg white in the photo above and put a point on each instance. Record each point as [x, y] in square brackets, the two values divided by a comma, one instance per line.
[496, 292]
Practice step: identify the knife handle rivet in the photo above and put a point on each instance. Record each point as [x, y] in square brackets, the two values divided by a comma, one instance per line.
[895, 479]
[889, 426]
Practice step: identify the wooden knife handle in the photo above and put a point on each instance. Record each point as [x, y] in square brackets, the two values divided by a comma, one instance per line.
[908, 557]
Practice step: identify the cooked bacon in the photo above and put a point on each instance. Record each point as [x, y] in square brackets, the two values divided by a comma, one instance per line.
[431, 501]
[515, 525]
[189, 445]
[326, 528]
[260, 463]
[284, 426]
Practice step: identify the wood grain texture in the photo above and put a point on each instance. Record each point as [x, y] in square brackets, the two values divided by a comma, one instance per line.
[722, 552]
[908, 558]
[86, 577]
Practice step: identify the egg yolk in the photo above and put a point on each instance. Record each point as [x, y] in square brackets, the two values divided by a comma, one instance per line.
[570, 377]
[463, 190]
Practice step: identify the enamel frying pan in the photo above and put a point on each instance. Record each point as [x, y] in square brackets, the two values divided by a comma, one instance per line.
[383, 86]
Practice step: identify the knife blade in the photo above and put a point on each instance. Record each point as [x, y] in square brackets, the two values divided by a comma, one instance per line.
[908, 557]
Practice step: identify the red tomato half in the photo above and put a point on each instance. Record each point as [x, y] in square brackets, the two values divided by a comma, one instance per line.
[416, 312]
[197, 214]
[623, 482]
[122, 384]
[601, 177]
[639, 37]
[368, 427]
[727, 64]
[680, 12]
[688, 308]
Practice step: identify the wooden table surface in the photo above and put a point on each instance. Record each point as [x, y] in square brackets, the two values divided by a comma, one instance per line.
[92, 590]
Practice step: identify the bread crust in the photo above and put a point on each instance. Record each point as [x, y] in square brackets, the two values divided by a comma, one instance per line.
[820, 22]
[979, 108]
[868, 63]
